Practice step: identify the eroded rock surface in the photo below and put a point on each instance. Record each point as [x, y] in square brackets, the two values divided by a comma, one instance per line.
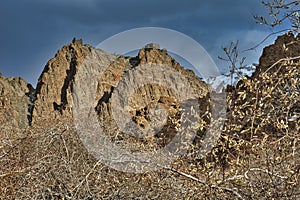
[15, 102]
[150, 86]
[54, 88]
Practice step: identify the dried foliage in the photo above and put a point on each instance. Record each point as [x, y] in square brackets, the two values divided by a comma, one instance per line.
[261, 136]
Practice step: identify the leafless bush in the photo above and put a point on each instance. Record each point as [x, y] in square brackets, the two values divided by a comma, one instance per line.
[281, 12]
[236, 63]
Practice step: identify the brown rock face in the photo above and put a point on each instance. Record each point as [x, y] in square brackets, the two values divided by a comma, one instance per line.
[54, 88]
[285, 46]
[145, 98]
[14, 102]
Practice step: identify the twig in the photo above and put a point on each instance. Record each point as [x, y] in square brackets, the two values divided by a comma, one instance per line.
[85, 179]
[279, 61]
[233, 191]
[228, 190]
[267, 37]
[254, 114]
[234, 178]
[265, 171]
[65, 145]
[186, 175]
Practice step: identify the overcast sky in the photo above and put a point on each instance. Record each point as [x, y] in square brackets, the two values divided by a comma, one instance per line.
[31, 31]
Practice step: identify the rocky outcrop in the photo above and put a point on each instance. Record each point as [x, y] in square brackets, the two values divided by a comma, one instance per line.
[158, 56]
[55, 85]
[54, 88]
[53, 96]
[15, 102]
[146, 97]
[285, 46]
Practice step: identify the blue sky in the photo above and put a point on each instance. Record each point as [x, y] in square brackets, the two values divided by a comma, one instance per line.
[33, 30]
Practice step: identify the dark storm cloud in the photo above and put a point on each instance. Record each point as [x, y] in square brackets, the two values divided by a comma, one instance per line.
[93, 12]
[33, 30]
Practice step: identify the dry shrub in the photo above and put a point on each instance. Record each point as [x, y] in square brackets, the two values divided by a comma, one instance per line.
[259, 147]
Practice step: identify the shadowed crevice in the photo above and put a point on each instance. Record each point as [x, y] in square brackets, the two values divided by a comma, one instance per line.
[106, 96]
[32, 97]
[71, 72]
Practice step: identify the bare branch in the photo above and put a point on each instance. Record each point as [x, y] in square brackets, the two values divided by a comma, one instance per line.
[267, 37]
[281, 60]
[233, 191]
[265, 171]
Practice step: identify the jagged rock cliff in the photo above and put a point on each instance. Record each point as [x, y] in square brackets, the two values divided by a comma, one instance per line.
[15, 102]
[55, 85]
[53, 92]
[52, 100]
[147, 96]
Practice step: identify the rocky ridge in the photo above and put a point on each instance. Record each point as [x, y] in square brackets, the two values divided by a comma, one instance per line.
[52, 98]
[148, 95]
[256, 156]
[53, 94]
